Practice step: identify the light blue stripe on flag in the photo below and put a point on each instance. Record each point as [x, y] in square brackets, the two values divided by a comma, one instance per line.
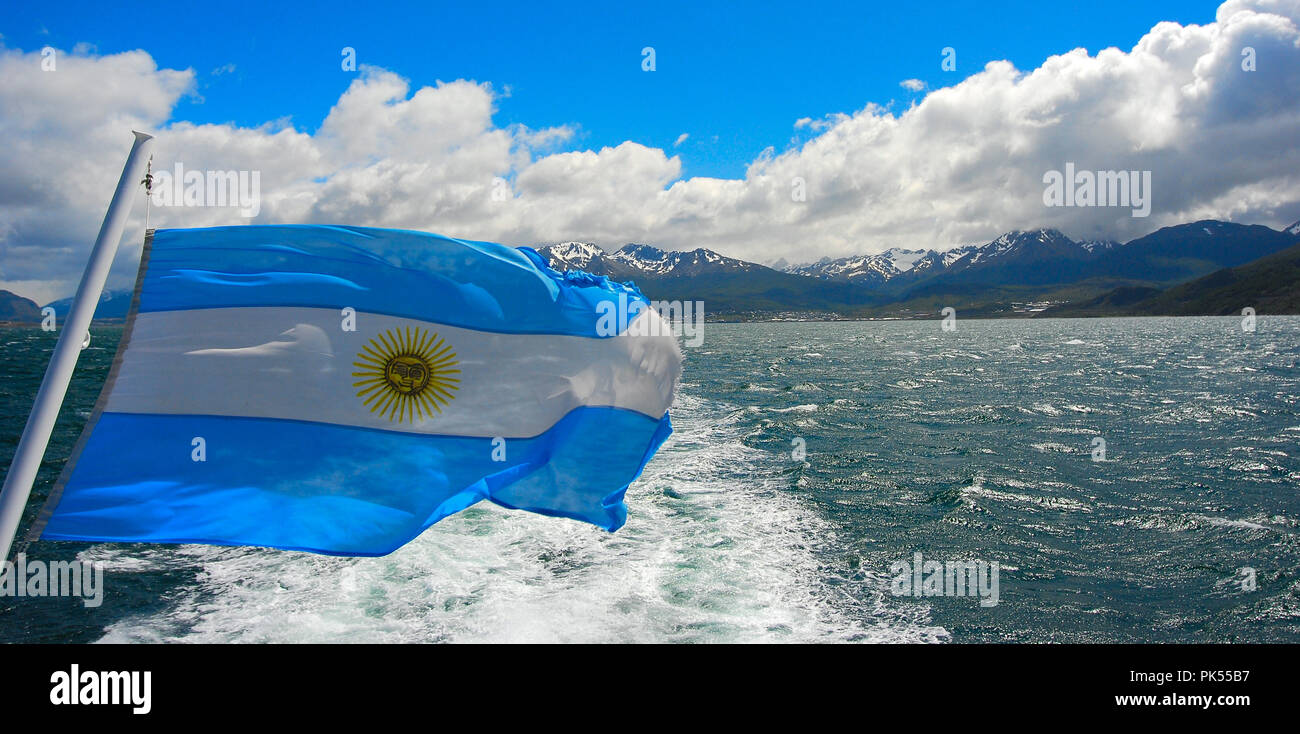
[337, 490]
[475, 285]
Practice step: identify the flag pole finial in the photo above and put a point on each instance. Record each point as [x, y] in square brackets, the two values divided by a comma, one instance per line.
[148, 187]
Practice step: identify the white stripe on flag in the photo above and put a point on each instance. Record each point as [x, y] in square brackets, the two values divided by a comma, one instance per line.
[298, 363]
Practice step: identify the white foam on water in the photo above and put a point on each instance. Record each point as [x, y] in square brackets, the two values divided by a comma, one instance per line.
[1227, 522]
[1049, 502]
[806, 408]
[715, 549]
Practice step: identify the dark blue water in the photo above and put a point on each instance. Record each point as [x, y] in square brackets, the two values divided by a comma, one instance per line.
[973, 444]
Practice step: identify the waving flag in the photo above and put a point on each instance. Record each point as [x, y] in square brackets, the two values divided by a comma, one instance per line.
[341, 389]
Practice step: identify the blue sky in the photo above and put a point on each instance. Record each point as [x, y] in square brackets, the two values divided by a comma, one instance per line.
[734, 76]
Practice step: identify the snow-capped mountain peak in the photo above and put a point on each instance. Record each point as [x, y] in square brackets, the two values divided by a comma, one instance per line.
[1017, 241]
[573, 255]
[654, 261]
[912, 264]
[645, 258]
[638, 260]
[903, 260]
[878, 268]
[957, 253]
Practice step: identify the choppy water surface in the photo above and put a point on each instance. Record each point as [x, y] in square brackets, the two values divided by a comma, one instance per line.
[973, 444]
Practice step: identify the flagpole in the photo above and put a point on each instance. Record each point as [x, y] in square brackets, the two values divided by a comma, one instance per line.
[36, 436]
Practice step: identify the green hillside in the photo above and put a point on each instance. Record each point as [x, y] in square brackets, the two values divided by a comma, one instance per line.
[14, 307]
[1270, 285]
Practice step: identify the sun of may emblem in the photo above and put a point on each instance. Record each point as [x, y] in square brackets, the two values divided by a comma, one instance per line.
[406, 374]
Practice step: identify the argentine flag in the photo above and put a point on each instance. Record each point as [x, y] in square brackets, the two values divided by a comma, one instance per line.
[340, 389]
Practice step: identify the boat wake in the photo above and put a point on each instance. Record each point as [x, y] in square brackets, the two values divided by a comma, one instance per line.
[715, 550]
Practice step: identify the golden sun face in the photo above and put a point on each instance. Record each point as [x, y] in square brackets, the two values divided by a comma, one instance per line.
[406, 374]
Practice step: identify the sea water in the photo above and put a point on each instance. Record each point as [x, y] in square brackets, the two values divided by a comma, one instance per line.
[1129, 480]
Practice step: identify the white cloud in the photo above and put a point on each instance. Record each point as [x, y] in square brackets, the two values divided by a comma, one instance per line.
[66, 134]
[962, 164]
[915, 85]
[681, 139]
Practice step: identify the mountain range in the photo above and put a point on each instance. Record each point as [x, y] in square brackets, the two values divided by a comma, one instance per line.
[1020, 272]
[726, 285]
[894, 264]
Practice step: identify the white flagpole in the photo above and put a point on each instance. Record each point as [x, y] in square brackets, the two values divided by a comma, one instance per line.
[36, 436]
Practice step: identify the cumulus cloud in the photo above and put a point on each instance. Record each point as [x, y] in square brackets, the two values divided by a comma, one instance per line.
[915, 85]
[66, 133]
[962, 164]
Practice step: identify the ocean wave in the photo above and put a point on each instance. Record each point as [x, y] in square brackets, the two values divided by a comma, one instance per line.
[808, 408]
